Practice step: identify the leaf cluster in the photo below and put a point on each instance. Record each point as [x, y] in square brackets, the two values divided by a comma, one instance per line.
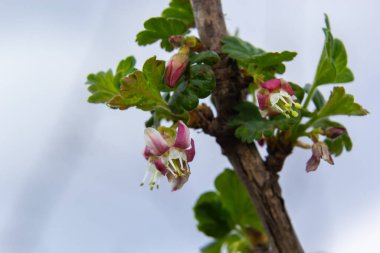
[177, 19]
[229, 216]
[332, 69]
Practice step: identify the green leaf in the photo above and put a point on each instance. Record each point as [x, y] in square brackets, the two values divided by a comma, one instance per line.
[272, 59]
[318, 98]
[341, 103]
[213, 219]
[141, 88]
[161, 28]
[213, 247]
[332, 67]
[256, 60]
[104, 85]
[206, 57]
[181, 10]
[125, 67]
[200, 85]
[154, 71]
[336, 145]
[240, 50]
[236, 200]
[252, 126]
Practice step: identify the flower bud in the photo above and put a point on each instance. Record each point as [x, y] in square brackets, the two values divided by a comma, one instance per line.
[176, 40]
[334, 132]
[176, 67]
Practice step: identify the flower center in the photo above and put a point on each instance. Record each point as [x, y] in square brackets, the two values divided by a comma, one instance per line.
[283, 103]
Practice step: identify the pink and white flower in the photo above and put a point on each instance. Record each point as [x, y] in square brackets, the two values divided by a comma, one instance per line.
[168, 153]
[276, 96]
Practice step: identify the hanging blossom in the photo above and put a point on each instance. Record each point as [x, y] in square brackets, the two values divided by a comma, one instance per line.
[319, 150]
[168, 153]
[276, 96]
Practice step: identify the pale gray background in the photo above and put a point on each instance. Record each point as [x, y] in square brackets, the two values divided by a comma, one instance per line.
[70, 170]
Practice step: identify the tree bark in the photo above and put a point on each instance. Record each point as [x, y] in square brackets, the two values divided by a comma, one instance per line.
[259, 177]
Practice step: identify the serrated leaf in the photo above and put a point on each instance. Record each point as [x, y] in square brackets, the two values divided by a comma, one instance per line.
[332, 67]
[141, 88]
[206, 57]
[336, 145]
[125, 67]
[181, 10]
[154, 71]
[256, 60]
[272, 59]
[102, 87]
[213, 219]
[105, 85]
[250, 125]
[240, 50]
[318, 98]
[161, 28]
[341, 103]
[236, 200]
[200, 85]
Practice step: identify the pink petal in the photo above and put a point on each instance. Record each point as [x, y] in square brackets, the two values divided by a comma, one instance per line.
[190, 153]
[286, 87]
[168, 73]
[155, 142]
[271, 85]
[147, 153]
[160, 166]
[182, 139]
[263, 100]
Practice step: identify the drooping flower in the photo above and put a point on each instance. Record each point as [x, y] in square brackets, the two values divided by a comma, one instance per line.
[319, 150]
[168, 153]
[176, 66]
[276, 96]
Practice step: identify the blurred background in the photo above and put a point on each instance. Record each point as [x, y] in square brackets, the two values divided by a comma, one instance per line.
[70, 171]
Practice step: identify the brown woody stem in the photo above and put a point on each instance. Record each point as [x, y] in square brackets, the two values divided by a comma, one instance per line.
[259, 177]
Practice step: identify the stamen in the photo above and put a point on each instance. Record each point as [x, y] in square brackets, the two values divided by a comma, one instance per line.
[175, 168]
[152, 181]
[158, 182]
[144, 178]
[187, 168]
[285, 102]
[294, 114]
[279, 108]
[297, 105]
[171, 171]
[180, 161]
